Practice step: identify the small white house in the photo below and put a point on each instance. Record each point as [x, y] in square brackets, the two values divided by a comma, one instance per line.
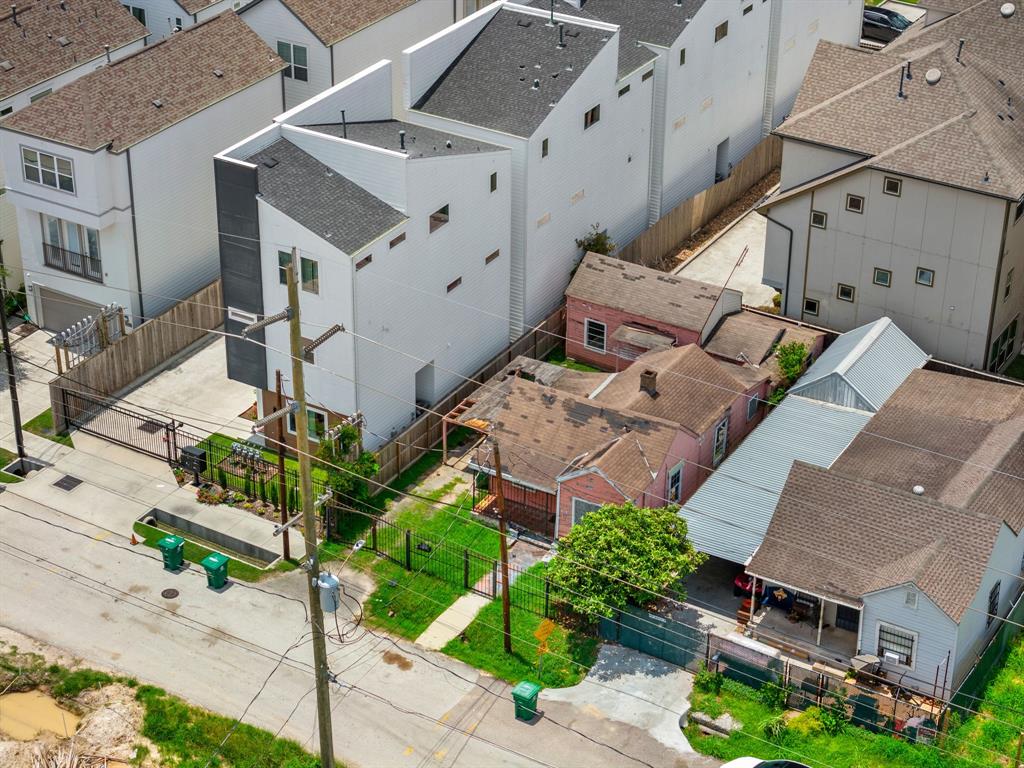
[403, 238]
[43, 47]
[117, 205]
[165, 17]
[325, 43]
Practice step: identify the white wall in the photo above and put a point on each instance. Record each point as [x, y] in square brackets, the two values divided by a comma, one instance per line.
[363, 96]
[273, 22]
[1011, 304]
[161, 15]
[802, 162]
[176, 213]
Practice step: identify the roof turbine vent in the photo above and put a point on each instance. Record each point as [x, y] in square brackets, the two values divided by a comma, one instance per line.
[1006, 10]
[918, 490]
[536, 84]
[932, 76]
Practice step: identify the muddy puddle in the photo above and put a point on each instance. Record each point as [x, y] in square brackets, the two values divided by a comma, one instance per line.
[23, 716]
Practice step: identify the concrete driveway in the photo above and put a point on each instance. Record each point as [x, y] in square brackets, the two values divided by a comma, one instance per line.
[715, 262]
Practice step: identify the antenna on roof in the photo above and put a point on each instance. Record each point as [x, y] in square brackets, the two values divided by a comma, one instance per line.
[903, 74]
[960, 50]
[14, 14]
[561, 35]
[344, 125]
[106, 48]
[551, 18]
[401, 138]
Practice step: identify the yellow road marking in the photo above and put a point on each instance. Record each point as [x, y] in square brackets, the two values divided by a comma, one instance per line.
[102, 536]
[439, 755]
[408, 751]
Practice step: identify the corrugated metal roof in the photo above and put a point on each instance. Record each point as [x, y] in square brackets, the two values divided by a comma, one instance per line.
[866, 364]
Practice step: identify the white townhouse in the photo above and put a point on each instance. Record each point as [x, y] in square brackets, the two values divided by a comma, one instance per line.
[902, 190]
[325, 42]
[403, 238]
[725, 73]
[165, 17]
[112, 175]
[44, 46]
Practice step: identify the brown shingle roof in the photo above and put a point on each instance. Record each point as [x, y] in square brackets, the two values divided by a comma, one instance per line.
[611, 282]
[334, 20]
[35, 48]
[877, 538]
[693, 389]
[947, 434]
[115, 104]
[848, 94]
[753, 336]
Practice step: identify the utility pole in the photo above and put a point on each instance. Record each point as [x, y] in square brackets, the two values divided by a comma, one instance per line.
[323, 693]
[12, 381]
[503, 546]
[282, 479]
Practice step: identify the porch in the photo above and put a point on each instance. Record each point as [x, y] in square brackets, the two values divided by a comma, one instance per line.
[808, 627]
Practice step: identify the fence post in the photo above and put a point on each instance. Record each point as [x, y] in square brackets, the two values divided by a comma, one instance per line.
[547, 596]
[373, 535]
[167, 440]
[465, 569]
[408, 549]
[494, 578]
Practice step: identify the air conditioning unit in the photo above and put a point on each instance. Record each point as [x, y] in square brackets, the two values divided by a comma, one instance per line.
[892, 658]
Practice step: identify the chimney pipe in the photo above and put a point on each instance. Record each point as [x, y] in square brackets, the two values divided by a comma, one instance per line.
[903, 74]
[909, 76]
[401, 138]
[561, 35]
[344, 126]
[14, 14]
[551, 17]
[649, 382]
[960, 50]
[106, 48]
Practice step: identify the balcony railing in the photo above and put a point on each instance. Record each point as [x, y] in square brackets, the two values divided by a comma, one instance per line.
[76, 263]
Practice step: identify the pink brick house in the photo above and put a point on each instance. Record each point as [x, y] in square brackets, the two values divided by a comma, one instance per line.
[616, 311]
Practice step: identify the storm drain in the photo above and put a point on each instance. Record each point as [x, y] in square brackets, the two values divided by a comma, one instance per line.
[67, 483]
[169, 594]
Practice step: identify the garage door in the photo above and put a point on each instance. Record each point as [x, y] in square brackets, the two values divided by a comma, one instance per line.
[61, 311]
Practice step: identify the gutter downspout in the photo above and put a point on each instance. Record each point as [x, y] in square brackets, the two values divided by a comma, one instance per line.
[807, 261]
[789, 263]
[332, 64]
[135, 232]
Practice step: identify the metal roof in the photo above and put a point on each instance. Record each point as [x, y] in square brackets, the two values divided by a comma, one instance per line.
[863, 367]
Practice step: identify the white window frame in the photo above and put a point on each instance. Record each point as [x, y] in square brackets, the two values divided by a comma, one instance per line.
[917, 277]
[310, 413]
[753, 405]
[887, 272]
[718, 453]
[817, 307]
[839, 292]
[586, 504]
[38, 166]
[315, 282]
[823, 219]
[674, 477]
[592, 117]
[603, 349]
[859, 199]
[886, 189]
[892, 627]
[289, 59]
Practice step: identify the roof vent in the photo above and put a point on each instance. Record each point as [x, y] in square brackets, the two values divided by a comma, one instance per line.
[157, 103]
[448, 144]
[932, 76]
[218, 73]
[6, 65]
[63, 41]
[14, 14]
[401, 139]
[536, 84]
[523, 22]
[919, 490]
[1006, 10]
[270, 162]
[960, 49]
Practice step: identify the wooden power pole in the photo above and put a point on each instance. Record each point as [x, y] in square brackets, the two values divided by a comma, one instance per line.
[282, 478]
[499, 493]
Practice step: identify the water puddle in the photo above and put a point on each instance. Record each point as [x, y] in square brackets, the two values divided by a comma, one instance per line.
[23, 716]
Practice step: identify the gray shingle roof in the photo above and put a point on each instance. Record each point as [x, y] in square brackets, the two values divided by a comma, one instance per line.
[320, 199]
[419, 141]
[490, 84]
[943, 550]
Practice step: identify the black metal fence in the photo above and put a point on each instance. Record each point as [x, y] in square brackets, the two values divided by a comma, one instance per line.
[146, 433]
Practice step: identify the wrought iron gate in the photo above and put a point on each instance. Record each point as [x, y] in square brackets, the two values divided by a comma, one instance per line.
[146, 433]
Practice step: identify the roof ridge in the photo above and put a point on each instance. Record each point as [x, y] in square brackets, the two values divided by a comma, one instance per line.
[875, 331]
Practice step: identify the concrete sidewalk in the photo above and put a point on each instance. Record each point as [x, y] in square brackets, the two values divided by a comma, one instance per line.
[715, 262]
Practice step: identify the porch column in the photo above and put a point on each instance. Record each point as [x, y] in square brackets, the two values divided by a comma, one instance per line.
[860, 629]
[821, 617]
[753, 596]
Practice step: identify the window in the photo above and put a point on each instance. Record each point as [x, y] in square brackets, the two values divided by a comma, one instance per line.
[623, 91]
[317, 423]
[310, 275]
[439, 218]
[594, 335]
[48, 170]
[581, 507]
[845, 292]
[494, 182]
[309, 355]
[72, 248]
[993, 603]
[1002, 346]
[721, 31]
[910, 599]
[396, 240]
[454, 284]
[1009, 284]
[591, 116]
[925, 277]
[748, 9]
[177, 23]
[647, 76]
[891, 186]
[138, 13]
[819, 219]
[491, 256]
[752, 405]
[297, 59]
[544, 148]
[855, 203]
[721, 437]
[898, 642]
[811, 307]
[6, 111]
[883, 277]
[682, 56]
[36, 97]
[364, 262]
[674, 483]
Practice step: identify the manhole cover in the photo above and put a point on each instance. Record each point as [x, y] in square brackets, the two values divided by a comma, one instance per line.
[151, 427]
[170, 594]
[67, 483]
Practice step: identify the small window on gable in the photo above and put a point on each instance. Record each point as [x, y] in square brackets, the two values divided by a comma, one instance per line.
[845, 292]
[439, 218]
[623, 91]
[855, 203]
[647, 76]
[396, 240]
[454, 284]
[721, 31]
[674, 483]
[925, 277]
[910, 599]
[494, 181]
[682, 56]
[882, 277]
[364, 262]
[721, 440]
[492, 256]
[748, 9]
[819, 219]
[591, 116]
[892, 186]
[544, 148]
[581, 507]
[811, 307]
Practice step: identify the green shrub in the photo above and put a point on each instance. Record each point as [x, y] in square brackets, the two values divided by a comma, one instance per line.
[791, 359]
[807, 723]
[597, 241]
[247, 484]
[774, 728]
[73, 683]
[708, 680]
[222, 477]
[774, 695]
[274, 497]
[834, 718]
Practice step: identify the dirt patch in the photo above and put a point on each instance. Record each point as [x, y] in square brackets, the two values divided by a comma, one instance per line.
[397, 660]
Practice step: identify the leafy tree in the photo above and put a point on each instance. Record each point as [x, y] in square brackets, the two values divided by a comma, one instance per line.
[621, 554]
[596, 240]
[356, 464]
[791, 359]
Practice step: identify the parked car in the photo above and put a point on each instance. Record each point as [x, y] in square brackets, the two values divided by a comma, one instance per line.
[884, 26]
[754, 762]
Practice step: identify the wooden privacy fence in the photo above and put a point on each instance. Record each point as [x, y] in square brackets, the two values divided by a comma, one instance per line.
[423, 434]
[132, 356]
[664, 238]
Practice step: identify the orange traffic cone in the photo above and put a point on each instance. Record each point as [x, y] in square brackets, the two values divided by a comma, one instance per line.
[134, 540]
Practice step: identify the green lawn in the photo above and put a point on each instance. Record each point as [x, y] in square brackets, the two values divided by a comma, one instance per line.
[455, 524]
[6, 457]
[1015, 369]
[42, 425]
[406, 602]
[557, 357]
[854, 748]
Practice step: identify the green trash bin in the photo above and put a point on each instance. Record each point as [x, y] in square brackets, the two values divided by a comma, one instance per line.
[173, 550]
[525, 696]
[216, 566]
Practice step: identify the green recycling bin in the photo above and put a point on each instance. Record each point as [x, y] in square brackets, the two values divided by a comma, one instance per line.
[216, 566]
[173, 550]
[525, 696]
